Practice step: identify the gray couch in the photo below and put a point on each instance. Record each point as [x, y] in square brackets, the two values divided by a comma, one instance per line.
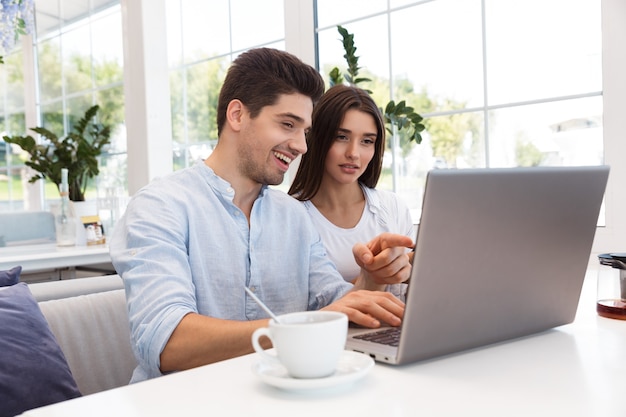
[89, 319]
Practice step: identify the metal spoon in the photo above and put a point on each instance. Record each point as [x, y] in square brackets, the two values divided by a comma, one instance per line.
[263, 306]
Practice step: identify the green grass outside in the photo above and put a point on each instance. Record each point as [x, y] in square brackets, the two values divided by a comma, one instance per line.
[50, 190]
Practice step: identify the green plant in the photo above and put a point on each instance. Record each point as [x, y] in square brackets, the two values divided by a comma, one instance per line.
[396, 115]
[78, 152]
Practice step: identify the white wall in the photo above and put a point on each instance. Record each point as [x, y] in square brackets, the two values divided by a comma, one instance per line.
[612, 238]
[146, 92]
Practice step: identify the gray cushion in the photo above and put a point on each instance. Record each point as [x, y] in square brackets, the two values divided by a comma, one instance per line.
[10, 277]
[33, 369]
[44, 291]
[94, 333]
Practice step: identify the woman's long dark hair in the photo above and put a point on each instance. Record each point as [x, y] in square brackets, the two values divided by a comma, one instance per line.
[326, 120]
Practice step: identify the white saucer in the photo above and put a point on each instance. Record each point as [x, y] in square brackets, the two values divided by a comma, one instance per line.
[352, 366]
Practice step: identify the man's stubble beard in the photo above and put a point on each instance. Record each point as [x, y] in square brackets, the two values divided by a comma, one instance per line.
[249, 168]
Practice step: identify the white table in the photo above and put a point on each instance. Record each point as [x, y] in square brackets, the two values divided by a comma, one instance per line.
[574, 370]
[42, 257]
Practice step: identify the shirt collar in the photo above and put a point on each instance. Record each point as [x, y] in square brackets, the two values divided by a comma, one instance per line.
[219, 184]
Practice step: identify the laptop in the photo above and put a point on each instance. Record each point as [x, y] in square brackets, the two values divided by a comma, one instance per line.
[500, 254]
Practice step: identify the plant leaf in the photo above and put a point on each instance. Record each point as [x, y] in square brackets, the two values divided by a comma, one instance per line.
[78, 152]
[400, 115]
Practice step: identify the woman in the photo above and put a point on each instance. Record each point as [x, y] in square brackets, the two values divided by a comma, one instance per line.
[337, 177]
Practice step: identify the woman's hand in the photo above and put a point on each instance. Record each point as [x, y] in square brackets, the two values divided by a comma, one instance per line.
[384, 260]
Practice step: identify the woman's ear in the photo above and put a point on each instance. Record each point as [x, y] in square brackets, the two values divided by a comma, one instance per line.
[234, 114]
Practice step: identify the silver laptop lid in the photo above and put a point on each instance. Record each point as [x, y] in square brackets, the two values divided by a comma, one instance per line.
[500, 253]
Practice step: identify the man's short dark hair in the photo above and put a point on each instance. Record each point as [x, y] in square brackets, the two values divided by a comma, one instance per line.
[259, 76]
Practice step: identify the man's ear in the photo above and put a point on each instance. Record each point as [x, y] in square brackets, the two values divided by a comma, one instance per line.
[234, 114]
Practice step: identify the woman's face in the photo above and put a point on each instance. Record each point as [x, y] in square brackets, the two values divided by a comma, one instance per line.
[352, 149]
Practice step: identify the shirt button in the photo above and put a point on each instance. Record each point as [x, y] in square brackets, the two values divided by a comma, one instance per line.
[230, 190]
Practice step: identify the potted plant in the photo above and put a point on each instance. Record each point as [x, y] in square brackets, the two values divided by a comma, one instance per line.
[78, 152]
[397, 116]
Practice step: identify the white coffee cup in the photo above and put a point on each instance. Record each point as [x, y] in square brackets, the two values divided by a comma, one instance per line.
[308, 344]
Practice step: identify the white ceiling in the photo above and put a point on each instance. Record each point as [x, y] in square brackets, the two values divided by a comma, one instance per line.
[50, 14]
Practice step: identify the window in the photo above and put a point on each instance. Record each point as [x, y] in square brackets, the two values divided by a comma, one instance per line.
[499, 83]
[79, 59]
[12, 119]
[203, 39]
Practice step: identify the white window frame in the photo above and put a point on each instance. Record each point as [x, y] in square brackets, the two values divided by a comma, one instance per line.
[147, 94]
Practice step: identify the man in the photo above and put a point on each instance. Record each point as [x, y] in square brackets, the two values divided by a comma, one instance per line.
[189, 243]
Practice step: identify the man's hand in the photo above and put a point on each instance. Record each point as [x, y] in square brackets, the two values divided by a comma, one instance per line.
[370, 308]
[383, 260]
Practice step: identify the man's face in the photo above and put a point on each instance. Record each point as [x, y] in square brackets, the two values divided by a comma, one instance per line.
[271, 141]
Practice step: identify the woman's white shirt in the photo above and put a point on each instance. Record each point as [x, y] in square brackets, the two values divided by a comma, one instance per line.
[383, 212]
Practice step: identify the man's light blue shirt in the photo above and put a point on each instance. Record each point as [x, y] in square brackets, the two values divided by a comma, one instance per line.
[184, 247]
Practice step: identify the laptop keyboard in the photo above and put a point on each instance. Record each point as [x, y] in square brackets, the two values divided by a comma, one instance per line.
[388, 336]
